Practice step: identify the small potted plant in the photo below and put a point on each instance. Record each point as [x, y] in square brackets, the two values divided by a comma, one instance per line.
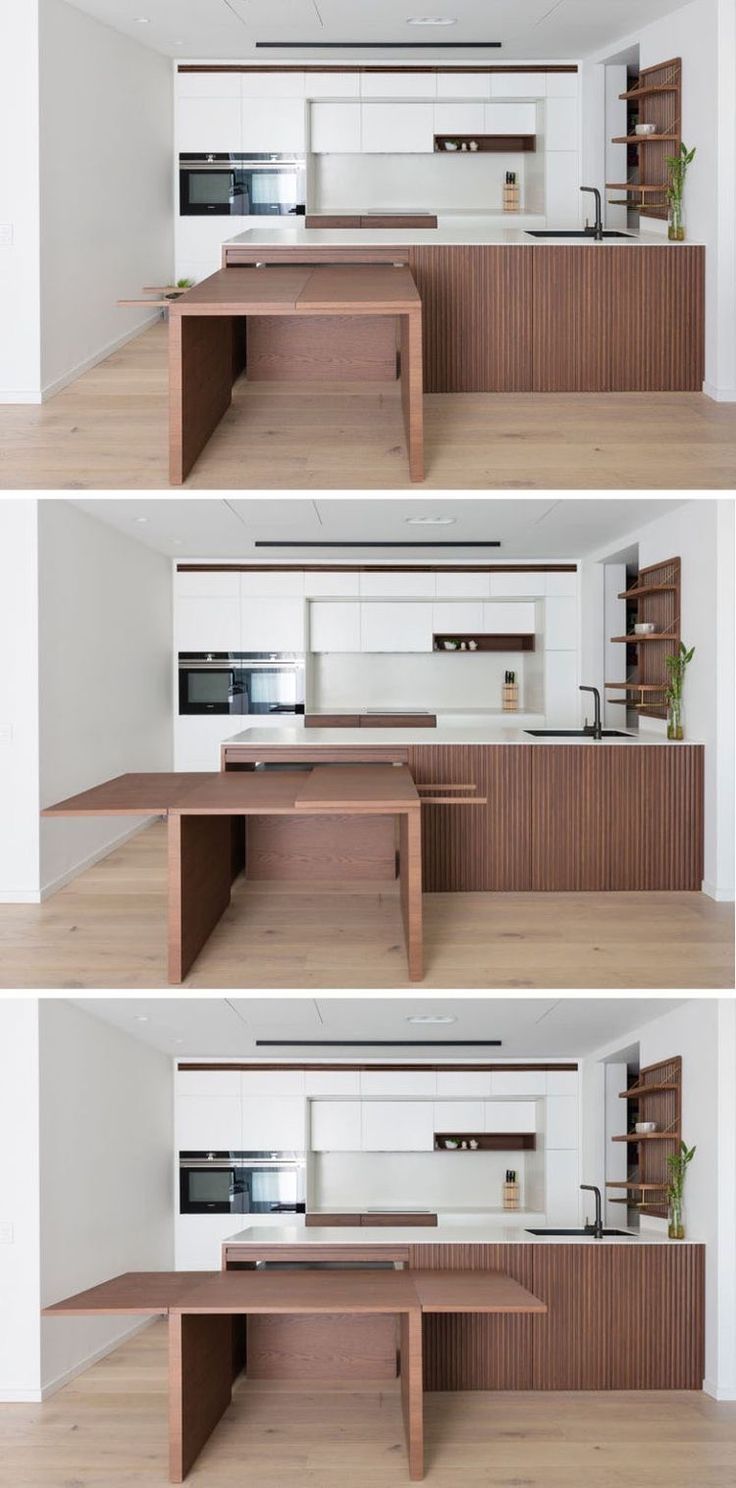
[678, 166]
[678, 1163]
[676, 665]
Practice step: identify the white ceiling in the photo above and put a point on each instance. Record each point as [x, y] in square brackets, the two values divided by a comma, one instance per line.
[228, 1028]
[528, 527]
[229, 29]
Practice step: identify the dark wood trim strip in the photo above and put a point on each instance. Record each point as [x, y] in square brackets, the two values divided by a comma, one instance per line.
[400, 1068]
[326, 567]
[374, 67]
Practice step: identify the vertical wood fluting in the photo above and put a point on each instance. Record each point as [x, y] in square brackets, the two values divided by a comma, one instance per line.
[477, 313]
[469, 1351]
[481, 847]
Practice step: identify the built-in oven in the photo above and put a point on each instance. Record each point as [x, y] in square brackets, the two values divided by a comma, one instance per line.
[240, 682]
[242, 185]
[242, 1182]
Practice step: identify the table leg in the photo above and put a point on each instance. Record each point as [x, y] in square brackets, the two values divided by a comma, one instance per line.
[412, 390]
[202, 367]
[410, 873]
[200, 1384]
[202, 866]
[412, 1400]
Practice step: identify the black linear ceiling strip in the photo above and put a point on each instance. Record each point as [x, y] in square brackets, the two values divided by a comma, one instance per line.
[373, 46]
[378, 1043]
[421, 543]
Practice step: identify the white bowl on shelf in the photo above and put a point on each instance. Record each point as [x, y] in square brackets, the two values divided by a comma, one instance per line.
[643, 1128]
[645, 627]
[645, 129]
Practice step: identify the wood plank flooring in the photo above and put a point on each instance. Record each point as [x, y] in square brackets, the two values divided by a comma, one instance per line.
[109, 430]
[109, 1427]
[108, 929]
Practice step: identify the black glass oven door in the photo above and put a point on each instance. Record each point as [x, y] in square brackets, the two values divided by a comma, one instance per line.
[210, 690]
[273, 690]
[217, 191]
[207, 1190]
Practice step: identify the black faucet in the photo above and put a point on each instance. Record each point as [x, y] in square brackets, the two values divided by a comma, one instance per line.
[597, 1228]
[597, 728]
[598, 229]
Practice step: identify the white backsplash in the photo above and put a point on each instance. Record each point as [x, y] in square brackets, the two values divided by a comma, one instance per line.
[448, 1180]
[470, 183]
[465, 681]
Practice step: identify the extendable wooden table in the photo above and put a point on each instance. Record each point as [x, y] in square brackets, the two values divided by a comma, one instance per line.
[206, 845]
[206, 355]
[206, 1353]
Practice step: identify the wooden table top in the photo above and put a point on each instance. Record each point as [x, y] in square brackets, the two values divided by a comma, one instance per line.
[327, 289]
[291, 1292]
[324, 788]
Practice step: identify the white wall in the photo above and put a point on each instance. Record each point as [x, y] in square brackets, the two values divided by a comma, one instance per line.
[20, 355]
[19, 745]
[466, 682]
[702, 1032]
[20, 1337]
[472, 183]
[462, 1180]
[106, 141]
[106, 1138]
[104, 672]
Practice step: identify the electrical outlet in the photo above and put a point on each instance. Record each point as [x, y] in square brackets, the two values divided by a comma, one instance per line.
[6, 234]
[6, 1232]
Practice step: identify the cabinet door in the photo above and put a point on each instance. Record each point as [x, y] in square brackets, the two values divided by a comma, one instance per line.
[208, 125]
[458, 1116]
[402, 585]
[486, 848]
[477, 317]
[510, 118]
[335, 1126]
[334, 626]
[518, 84]
[272, 625]
[397, 1126]
[508, 619]
[272, 585]
[561, 624]
[463, 585]
[511, 585]
[463, 85]
[207, 624]
[207, 1123]
[518, 1082]
[464, 1082]
[272, 1082]
[210, 585]
[458, 118]
[562, 1199]
[561, 1122]
[331, 585]
[563, 1082]
[465, 619]
[562, 124]
[510, 1116]
[273, 125]
[335, 128]
[398, 1082]
[273, 1123]
[397, 128]
[207, 85]
[332, 1082]
[333, 85]
[398, 85]
[286, 84]
[395, 627]
[207, 1082]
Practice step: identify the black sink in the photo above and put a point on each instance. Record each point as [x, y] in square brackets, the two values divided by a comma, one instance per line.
[575, 734]
[571, 232]
[625, 1233]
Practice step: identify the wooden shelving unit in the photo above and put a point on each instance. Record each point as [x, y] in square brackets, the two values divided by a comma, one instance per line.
[657, 1096]
[655, 597]
[659, 91]
[487, 1141]
[482, 642]
[488, 144]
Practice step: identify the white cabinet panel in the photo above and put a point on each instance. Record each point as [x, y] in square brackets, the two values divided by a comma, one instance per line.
[217, 585]
[562, 195]
[331, 585]
[561, 624]
[395, 627]
[334, 625]
[510, 1116]
[274, 585]
[561, 697]
[208, 1123]
[562, 1121]
[463, 85]
[273, 1123]
[273, 125]
[518, 84]
[406, 585]
[513, 585]
[335, 128]
[562, 124]
[562, 1082]
[466, 619]
[207, 1082]
[398, 1082]
[336, 1126]
[519, 1082]
[563, 1194]
[458, 1116]
[510, 118]
[508, 619]
[332, 1082]
[458, 118]
[463, 585]
[464, 1082]
[398, 85]
[397, 1126]
[207, 624]
[286, 84]
[332, 85]
[272, 625]
[562, 584]
[208, 125]
[397, 128]
[272, 1082]
[562, 84]
[208, 85]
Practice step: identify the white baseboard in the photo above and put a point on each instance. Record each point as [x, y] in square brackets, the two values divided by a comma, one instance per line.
[11, 395]
[722, 896]
[55, 884]
[108, 1348]
[719, 395]
[20, 896]
[719, 1392]
[99, 356]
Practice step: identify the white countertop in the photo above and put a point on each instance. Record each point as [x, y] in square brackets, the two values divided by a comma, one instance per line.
[467, 731]
[451, 1234]
[460, 231]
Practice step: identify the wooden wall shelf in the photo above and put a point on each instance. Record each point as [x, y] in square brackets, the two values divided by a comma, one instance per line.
[659, 91]
[487, 1141]
[659, 1088]
[654, 597]
[483, 642]
[488, 144]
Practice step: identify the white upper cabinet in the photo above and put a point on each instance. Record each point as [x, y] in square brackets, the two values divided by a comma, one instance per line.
[395, 627]
[336, 1126]
[458, 118]
[273, 1123]
[332, 1082]
[331, 585]
[273, 125]
[286, 84]
[518, 1082]
[562, 124]
[521, 585]
[464, 617]
[272, 1082]
[562, 84]
[397, 1126]
[463, 585]
[270, 584]
[562, 1121]
[272, 625]
[510, 1116]
[562, 1082]
[407, 585]
[207, 623]
[561, 624]
[332, 85]
[207, 1082]
[207, 1123]
[208, 85]
[508, 619]
[216, 585]
[335, 128]
[397, 128]
[518, 85]
[209, 126]
[398, 85]
[562, 584]
[464, 1082]
[463, 85]
[458, 1116]
[398, 1082]
[334, 625]
[510, 118]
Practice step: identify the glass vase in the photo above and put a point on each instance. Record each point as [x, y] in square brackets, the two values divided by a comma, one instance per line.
[675, 1221]
[675, 223]
[674, 719]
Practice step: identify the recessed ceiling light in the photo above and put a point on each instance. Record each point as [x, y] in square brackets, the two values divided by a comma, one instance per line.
[140, 1018]
[140, 519]
[142, 21]
[430, 521]
[432, 21]
[431, 1018]
[177, 541]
